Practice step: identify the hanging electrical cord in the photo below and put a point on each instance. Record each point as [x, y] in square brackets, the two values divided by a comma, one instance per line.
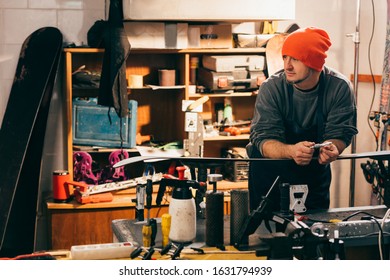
[372, 76]
[385, 217]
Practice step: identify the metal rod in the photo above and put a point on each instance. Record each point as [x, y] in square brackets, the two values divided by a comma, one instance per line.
[356, 39]
[272, 187]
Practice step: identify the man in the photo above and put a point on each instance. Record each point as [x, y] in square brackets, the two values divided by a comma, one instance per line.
[304, 104]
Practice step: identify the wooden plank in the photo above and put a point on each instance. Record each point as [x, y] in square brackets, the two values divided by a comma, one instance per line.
[365, 78]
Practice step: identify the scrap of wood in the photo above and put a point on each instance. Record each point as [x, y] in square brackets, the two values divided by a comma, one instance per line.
[365, 78]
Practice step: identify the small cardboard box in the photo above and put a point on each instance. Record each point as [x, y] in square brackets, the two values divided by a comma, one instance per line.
[210, 36]
[91, 124]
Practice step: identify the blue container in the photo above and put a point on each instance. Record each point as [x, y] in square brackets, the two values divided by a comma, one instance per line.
[92, 126]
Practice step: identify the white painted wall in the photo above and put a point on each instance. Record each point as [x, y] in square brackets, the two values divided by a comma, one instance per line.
[18, 18]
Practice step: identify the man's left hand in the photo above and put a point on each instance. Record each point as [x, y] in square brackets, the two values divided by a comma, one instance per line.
[328, 154]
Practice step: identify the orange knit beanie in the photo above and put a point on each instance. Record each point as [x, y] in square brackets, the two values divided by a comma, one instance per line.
[308, 45]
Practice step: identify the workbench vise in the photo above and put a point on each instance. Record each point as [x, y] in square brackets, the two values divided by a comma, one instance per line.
[291, 238]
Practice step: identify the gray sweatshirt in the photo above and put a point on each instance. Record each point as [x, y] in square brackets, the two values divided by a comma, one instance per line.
[272, 109]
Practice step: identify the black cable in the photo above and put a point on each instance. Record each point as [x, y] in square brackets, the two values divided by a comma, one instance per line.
[372, 75]
[380, 192]
[385, 233]
[359, 212]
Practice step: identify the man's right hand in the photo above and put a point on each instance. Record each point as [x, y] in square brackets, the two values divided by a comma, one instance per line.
[301, 152]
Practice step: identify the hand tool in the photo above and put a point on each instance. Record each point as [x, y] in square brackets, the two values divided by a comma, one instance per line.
[147, 256]
[197, 103]
[165, 228]
[256, 217]
[175, 252]
[317, 146]
[140, 202]
[147, 235]
[149, 231]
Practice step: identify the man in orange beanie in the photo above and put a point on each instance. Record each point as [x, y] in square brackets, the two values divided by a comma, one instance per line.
[304, 104]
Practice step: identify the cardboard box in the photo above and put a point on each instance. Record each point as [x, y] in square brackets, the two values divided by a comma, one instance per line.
[157, 35]
[210, 36]
[92, 127]
[229, 63]
[247, 28]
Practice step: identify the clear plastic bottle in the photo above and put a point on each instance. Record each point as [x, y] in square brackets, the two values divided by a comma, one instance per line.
[228, 111]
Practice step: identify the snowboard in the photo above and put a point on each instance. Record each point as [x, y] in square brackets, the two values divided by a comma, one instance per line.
[273, 53]
[273, 49]
[22, 136]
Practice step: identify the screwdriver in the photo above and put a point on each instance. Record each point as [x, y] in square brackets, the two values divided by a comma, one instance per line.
[147, 235]
[165, 228]
[149, 231]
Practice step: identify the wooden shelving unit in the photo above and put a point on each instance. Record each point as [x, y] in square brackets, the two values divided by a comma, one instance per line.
[159, 111]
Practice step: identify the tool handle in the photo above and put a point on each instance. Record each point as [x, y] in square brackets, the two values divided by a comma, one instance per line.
[148, 255]
[165, 228]
[153, 225]
[146, 235]
[161, 191]
[198, 102]
[149, 192]
[136, 253]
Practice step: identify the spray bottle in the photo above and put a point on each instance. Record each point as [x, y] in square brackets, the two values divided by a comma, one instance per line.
[181, 206]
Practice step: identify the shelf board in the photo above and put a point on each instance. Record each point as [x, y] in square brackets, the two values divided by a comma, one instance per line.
[167, 51]
[226, 185]
[227, 138]
[231, 50]
[91, 149]
[83, 50]
[233, 94]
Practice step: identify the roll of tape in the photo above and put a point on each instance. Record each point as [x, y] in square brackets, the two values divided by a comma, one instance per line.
[60, 186]
[136, 81]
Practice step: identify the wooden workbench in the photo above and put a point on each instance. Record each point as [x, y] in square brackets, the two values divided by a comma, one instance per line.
[73, 223]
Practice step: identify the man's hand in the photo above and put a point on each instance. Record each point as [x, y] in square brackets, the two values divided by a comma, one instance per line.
[328, 154]
[301, 152]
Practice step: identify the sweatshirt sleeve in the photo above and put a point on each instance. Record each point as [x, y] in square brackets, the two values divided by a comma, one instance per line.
[340, 122]
[267, 122]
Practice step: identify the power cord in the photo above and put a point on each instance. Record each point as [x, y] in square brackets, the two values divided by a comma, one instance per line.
[372, 76]
[385, 217]
[359, 212]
